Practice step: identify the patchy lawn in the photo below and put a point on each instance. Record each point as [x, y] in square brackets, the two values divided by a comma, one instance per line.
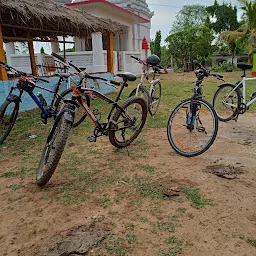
[100, 201]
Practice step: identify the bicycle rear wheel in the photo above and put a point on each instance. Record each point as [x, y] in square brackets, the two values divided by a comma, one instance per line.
[80, 114]
[127, 125]
[8, 113]
[53, 149]
[226, 102]
[155, 98]
[192, 134]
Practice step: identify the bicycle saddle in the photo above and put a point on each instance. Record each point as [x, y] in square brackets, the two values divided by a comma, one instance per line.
[64, 75]
[244, 66]
[127, 76]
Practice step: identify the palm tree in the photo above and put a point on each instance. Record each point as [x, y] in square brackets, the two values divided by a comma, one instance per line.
[247, 30]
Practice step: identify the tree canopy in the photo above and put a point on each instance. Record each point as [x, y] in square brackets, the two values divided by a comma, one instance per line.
[225, 16]
[190, 44]
[190, 16]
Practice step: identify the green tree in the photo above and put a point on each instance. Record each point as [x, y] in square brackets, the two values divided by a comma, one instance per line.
[190, 16]
[190, 44]
[152, 46]
[166, 57]
[42, 50]
[247, 31]
[157, 44]
[225, 17]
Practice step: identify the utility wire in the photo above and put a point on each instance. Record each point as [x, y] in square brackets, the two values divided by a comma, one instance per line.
[165, 5]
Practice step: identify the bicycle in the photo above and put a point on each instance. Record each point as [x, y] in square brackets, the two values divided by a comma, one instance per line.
[229, 102]
[153, 96]
[27, 83]
[127, 120]
[193, 124]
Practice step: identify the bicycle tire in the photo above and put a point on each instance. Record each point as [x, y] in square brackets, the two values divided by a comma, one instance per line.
[140, 108]
[3, 119]
[152, 109]
[217, 106]
[48, 163]
[143, 93]
[173, 128]
[83, 115]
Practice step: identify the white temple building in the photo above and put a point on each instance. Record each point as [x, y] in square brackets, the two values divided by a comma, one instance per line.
[91, 52]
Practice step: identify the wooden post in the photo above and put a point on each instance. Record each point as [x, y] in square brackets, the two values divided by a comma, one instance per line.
[110, 52]
[32, 58]
[3, 73]
[64, 50]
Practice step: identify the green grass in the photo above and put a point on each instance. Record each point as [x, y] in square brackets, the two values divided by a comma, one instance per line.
[120, 246]
[193, 195]
[106, 177]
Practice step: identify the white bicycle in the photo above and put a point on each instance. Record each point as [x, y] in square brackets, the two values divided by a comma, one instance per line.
[153, 96]
[229, 102]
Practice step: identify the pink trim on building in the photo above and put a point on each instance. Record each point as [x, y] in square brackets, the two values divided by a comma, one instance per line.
[110, 4]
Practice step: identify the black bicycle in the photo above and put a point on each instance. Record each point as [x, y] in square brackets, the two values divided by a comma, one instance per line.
[193, 124]
[123, 124]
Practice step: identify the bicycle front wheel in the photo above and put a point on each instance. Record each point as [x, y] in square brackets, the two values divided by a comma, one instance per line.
[155, 98]
[53, 150]
[192, 127]
[8, 113]
[127, 125]
[226, 102]
[142, 93]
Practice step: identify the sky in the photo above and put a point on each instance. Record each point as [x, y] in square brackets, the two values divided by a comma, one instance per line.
[166, 10]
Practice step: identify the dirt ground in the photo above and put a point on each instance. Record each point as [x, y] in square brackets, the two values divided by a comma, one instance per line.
[34, 222]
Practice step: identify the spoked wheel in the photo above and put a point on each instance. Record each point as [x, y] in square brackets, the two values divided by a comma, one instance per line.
[127, 125]
[53, 150]
[142, 93]
[8, 113]
[155, 98]
[226, 102]
[80, 114]
[192, 134]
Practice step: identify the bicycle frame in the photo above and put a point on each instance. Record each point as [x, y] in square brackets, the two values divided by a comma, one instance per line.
[145, 74]
[239, 85]
[92, 92]
[45, 112]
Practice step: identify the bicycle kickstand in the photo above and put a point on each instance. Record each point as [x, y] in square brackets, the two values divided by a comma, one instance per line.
[123, 136]
[235, 118]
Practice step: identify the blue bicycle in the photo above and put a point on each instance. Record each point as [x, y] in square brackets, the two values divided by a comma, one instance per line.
[27, 83]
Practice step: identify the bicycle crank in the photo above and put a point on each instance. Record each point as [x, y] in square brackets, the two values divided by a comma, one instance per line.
[242, 108]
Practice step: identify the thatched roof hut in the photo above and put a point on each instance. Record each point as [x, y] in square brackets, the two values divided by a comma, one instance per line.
[48, 19]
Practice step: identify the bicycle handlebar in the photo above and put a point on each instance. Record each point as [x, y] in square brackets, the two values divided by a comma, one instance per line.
[139, 60]
[65, 61]
[21, 73]
[207, 73]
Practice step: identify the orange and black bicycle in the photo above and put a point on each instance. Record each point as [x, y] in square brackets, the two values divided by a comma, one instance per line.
[123, 125]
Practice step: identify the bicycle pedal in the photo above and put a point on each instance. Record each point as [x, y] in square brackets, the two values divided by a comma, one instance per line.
[91, 139]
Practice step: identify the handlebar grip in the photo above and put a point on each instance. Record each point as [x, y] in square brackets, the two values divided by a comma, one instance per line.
[2, 63]
[114, 82]
[138, 59]
[58, 57]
